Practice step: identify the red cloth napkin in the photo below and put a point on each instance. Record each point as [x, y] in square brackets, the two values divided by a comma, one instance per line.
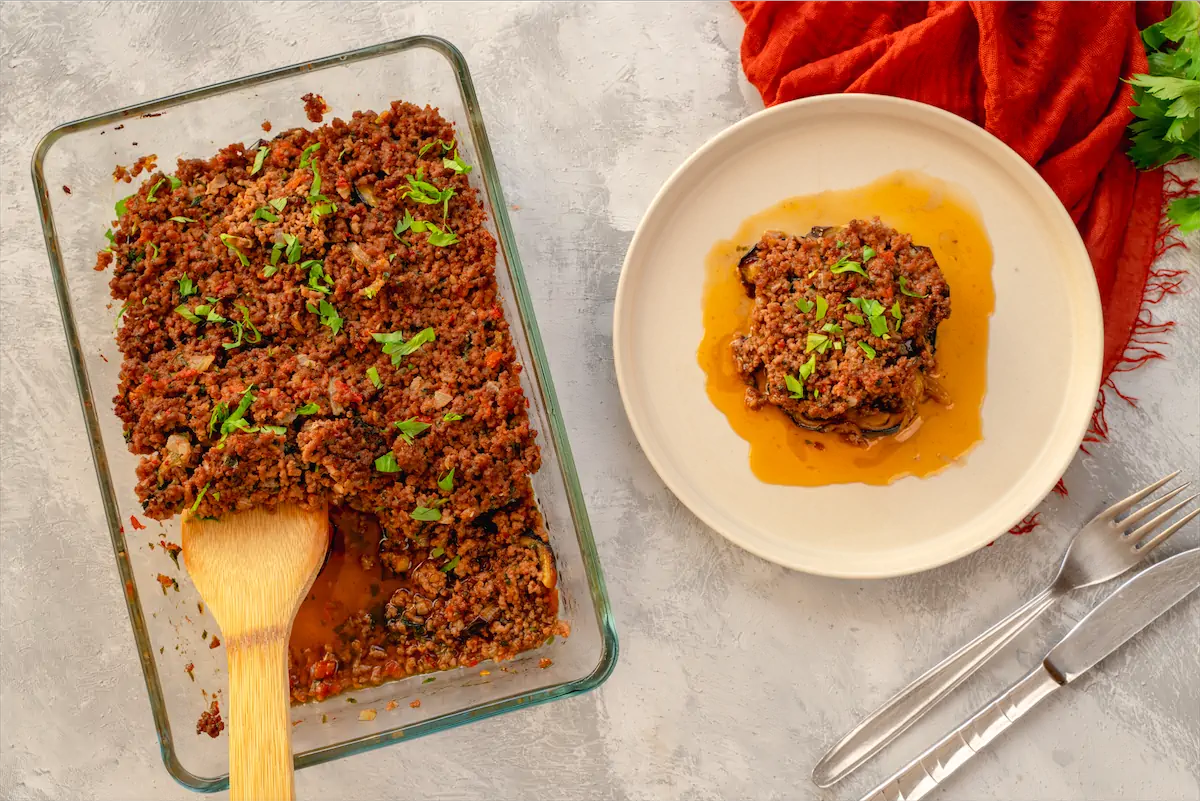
[1043, 77]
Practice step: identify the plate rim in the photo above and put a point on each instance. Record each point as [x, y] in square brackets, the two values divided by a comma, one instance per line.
[1090, 304]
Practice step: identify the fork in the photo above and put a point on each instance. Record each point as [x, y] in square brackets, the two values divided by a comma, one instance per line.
[1103, 549]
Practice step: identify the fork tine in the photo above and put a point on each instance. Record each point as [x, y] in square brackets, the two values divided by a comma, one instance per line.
[1139, 515]
[1161, 518]
[1162, 536]
[1120, 506]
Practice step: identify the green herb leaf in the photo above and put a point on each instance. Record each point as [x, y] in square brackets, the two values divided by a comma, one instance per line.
[427, 515]
[453, 563]
[856, 319]
[404, 224]
[868, 254]
[264, 214]
[175, 182]
[794, 387]
[259, 158]
[329, 316]
[805, 305]
[252, 334]
[436, 552]
[844, 265]
[182, 219]
[904, 290]
[322, 210]
[1185, 212]
[456, 164]
[397, 347]
[446, 482]
[316, 273]
[186, 313]
[278, 203]
[228, 241]
[822, 307]
[200, 497]
[451, 417]
[832, 328]
[817, 342]
[120, 206]
[387, 463]
[270, 270]
[373, 377]
[867, 349]
[808, 368]
[281, 430]
[314, 192]
[120, 314]
[306, 155]
[410, 428]
[309, 408]
[879, 325]
[896, 311]
[839, 244]
[154, 189]
[219, 413]
[236, 419]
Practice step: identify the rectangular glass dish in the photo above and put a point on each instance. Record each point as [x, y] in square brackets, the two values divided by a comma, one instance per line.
[168, 623]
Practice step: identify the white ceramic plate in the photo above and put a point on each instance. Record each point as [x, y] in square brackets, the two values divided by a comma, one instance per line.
[1044, 355]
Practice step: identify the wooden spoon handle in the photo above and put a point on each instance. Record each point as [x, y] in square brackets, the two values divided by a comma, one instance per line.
[260, 728]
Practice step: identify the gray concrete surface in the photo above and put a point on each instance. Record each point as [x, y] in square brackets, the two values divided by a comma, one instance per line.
[734, 674]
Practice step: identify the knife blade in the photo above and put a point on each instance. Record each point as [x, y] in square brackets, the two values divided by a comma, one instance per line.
[1132, 607]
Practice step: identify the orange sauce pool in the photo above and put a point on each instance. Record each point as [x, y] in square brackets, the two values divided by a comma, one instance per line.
[937, 216]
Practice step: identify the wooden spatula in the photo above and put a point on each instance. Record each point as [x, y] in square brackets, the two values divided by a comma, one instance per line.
[253, 568]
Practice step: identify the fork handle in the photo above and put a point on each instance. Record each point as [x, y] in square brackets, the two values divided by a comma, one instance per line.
[905, 707]
[919, 777]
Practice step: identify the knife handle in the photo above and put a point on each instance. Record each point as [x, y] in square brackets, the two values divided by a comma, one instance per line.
[909, 704]
[926, 772]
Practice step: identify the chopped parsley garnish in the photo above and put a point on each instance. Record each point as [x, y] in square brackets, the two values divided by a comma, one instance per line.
[805, 305]
[873, 310]
[427, 515]
[839, 244]
[396, 346]
[808, 368]
[387, 463]
[446, 147]
[314, 192]
[896, 312]
[329, 316]
[219, 413]
[904, 290]
[868, 254]
[817, 342]
[265, 214]
[196, 504]
[403, 224]
[856, 319]
[373, 377]
[794, 386]
[316, 274]
[175, 182]
[822, 307]
[230, 422]
[246, 328]
[120, 206]
[446, 482]
[209, 313]
[278, 203]
[270, 270]
[424, 192]
[322, 210]
[186, 287]
[289, 246]
[281, 430]
[867, 349]
[309, 408]
[439, 238]
[844, 265]
[120, 314]
[436, 552]
[150, 196]
[186, 313]
[306, 155]
[832, 328]
[456, 164]
[228, 241]
[410, 428]
[182, 219]
[259, 158]
[879, 325]
[154, 247]
[450, 417]
[453, 563]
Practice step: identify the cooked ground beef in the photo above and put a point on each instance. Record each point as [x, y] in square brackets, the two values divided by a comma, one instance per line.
[843, 328]
[315, 320]
[210, 722]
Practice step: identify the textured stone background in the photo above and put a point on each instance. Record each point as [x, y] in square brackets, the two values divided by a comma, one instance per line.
[734, 674]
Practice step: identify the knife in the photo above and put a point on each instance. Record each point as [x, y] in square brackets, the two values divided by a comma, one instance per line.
[1134, 605]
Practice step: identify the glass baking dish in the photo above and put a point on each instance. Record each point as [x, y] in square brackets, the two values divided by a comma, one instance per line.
[72, 175]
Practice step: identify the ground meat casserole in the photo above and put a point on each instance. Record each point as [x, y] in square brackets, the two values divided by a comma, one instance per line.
[843, 329]
[315, 319]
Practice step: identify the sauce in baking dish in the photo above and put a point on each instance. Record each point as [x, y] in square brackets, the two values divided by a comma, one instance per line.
[937, 216]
